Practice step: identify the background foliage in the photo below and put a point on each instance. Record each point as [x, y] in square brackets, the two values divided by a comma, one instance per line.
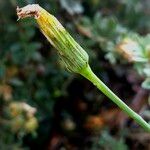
[42, 106]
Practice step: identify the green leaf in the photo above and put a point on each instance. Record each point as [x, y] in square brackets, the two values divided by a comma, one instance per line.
[146, 84]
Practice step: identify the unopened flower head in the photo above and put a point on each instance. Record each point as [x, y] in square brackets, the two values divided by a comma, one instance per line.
[70, 52]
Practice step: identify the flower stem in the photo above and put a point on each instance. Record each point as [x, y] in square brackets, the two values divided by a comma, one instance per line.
[88, 73]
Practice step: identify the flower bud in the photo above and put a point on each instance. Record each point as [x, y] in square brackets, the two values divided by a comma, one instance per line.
[71, 53]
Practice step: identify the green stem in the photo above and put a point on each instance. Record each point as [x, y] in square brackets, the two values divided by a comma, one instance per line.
[88, 73]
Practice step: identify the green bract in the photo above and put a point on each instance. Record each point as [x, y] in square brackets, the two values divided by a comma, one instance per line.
[71, 53]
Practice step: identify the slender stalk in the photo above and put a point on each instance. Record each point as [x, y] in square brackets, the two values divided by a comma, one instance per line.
[88, 73]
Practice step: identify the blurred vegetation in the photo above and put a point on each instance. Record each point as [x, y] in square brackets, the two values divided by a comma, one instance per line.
[42, 106]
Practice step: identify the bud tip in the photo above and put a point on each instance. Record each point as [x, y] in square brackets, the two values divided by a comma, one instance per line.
[31, 10]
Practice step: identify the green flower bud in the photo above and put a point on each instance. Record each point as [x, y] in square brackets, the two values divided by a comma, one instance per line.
[71, 53]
